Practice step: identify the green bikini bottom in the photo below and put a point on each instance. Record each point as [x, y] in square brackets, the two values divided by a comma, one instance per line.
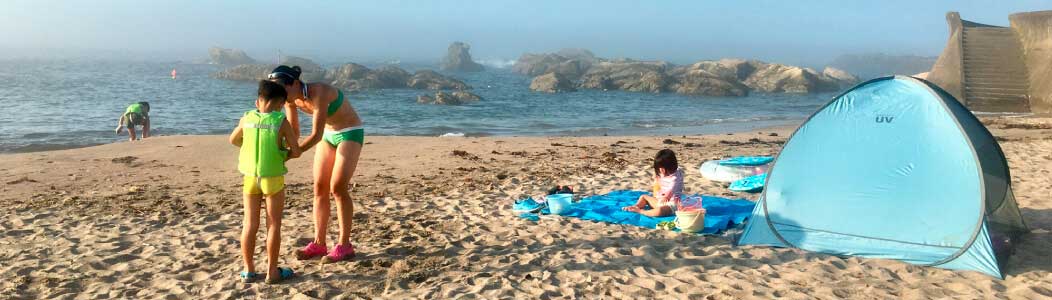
[335, 137]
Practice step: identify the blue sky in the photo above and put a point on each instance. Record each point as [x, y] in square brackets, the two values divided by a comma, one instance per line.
[798, 32]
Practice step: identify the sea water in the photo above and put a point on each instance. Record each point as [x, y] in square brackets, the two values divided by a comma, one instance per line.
[57, 104]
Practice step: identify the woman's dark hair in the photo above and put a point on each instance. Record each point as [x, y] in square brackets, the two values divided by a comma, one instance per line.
[145, 106]
[665, 159]
[285, 75]
[271, 91]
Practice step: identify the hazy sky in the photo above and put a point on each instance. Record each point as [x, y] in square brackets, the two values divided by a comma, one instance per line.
[797, 32]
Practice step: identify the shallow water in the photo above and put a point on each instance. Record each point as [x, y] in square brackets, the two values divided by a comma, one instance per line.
[54, 104]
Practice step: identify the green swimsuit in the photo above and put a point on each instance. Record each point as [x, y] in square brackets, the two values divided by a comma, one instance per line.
[335, 137]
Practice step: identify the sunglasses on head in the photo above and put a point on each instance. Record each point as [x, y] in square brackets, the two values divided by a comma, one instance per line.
[276, 75]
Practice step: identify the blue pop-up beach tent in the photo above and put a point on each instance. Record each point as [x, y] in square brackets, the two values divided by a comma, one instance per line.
[893, 168]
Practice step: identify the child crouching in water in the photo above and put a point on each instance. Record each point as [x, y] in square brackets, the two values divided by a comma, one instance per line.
[668, 187]
[263, 135]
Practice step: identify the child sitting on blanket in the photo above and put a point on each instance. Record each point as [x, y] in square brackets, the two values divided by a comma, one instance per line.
[668, 188]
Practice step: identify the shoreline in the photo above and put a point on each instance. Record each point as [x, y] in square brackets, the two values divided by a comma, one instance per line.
[433, 219]
[679, 132]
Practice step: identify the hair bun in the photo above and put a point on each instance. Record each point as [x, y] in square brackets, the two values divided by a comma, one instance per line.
[297, 68]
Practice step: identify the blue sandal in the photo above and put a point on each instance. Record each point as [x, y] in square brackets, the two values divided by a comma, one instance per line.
[283, 273]
[249, 277]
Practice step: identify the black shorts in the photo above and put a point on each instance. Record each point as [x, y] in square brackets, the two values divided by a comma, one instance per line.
[135, 119]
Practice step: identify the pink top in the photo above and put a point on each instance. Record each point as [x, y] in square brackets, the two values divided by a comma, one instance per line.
[673, 183]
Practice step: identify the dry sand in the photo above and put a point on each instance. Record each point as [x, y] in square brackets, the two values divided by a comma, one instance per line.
[160, 218]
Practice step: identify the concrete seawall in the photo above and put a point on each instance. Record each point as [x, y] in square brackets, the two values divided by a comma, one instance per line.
[1035, 33]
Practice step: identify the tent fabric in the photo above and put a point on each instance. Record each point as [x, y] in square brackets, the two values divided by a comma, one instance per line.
[893, 168]
[720, 212]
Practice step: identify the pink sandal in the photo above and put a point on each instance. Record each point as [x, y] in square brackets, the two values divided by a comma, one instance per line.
[312, 250]
[338, 253]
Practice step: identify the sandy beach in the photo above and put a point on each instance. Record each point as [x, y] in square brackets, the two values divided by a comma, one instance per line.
[160, 218]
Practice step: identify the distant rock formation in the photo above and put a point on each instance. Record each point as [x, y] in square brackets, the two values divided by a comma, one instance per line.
[449, 98]
[349, 76]
[873, 65]
[628, 75]
[229, 57]
[312, 72]
[246, 72]
[778, 78]
[552, 83]
[570, 63]
[712, 78]
[557, 72]
[458, 59]
[431, 80]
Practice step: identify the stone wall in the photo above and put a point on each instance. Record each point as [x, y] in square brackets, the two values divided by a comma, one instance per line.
[1034, 30]
[947, 72]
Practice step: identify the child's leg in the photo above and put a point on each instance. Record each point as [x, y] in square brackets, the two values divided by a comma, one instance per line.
[131, 133]
[640, 204]
[657, 211]
[249, 227]
[275, 207]
[653, 202]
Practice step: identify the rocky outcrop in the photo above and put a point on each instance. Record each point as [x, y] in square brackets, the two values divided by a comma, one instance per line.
[312, 72]
[709, 78]
[627, 75]
[841, 78]
[246, 72]
[778, 78]
[352, 76]
[570, 63]
[449, 98]
[229, 57]
[458, 59]
[552, 83]
[431, 80]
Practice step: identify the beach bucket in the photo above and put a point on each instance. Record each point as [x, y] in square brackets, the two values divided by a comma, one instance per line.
[690, 221]
[559, 203]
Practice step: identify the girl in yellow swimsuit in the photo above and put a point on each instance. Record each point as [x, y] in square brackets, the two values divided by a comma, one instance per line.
[335, 122]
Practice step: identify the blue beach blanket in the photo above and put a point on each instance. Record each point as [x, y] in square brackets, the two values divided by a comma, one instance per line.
[720, 212]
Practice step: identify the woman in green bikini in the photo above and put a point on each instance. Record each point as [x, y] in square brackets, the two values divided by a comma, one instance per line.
[337, 130]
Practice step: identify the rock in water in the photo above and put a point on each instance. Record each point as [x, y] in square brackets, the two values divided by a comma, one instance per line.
[841, 78]
[431, 80]
[551, 83]
[229, 57]
[575, 63]
[628, 75]
[458, 59]
[352, 76]
[447, 98]
[777, 78]
[247, 72]
[312, 72]
[425, 99]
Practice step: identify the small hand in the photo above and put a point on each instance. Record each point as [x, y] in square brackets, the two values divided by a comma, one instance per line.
[118, 130]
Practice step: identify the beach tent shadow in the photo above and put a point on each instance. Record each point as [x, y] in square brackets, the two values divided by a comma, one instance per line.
[1033, 253]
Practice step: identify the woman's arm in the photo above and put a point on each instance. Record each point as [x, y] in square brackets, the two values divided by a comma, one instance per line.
[237, 136]
[318, 122]
[290, 140]
[293, 116]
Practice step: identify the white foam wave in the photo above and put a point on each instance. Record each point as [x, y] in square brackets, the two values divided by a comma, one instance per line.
[497, 63]
[452, 134]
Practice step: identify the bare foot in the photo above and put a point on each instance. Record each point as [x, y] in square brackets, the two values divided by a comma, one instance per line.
[631, 209]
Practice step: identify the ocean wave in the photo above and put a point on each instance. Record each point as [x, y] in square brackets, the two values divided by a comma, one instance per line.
[452, 134]
[497, 63]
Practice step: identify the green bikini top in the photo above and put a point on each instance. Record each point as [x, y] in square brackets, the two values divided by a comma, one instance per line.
[334, 106]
